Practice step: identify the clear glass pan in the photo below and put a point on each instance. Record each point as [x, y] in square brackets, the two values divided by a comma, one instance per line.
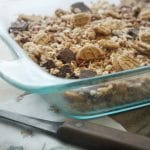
[81, 99]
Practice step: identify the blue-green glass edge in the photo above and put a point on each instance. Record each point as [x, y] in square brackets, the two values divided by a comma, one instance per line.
[110, 111]
[79, 83]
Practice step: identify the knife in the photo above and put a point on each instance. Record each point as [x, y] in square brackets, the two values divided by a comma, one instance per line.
[83, 133]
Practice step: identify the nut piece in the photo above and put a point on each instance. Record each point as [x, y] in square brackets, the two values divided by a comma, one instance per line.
[144, 35]
[41, 38]
[142, 48]
[81, 19]
[109, 44]
[89, 52]
[127, 62]
[102, 30]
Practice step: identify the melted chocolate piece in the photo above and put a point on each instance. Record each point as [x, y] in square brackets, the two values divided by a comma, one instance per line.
[80, 6]
[19, 26]
[66, 55]
[24, 40]
[134, 33]
[49, 64]
[87, 73]
[64, 70]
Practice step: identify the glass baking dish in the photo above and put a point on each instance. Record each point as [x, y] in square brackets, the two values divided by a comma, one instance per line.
[77, 98]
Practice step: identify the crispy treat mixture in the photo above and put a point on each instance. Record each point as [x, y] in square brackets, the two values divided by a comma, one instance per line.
[87, 41]
[109, 94]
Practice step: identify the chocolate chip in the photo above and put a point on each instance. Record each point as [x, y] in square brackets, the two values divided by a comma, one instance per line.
[64, 70]
[133, 32]
[87, 73]
[19, 26]
[23, 40]
[136, 11]
[80, 6]
[49, 64]
[66, 55]
[73, 76]
[146, 1]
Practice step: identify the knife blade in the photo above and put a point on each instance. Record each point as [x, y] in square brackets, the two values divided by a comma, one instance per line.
[83, 133]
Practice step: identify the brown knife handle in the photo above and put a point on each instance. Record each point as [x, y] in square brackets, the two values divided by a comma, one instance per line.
[94, 137]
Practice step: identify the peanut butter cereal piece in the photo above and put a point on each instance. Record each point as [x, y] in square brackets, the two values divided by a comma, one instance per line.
[127, 62]
[89, 52]
[41, 38]
[142, 48]
[144, 35]
[145, 14]
[102, 30]
[81, 19]
[112, 24]
[109, 44]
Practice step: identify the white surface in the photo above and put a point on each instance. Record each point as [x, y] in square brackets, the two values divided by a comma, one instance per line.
[31, 105]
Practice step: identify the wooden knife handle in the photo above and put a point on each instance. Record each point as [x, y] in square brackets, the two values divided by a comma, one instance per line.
[94, 137]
